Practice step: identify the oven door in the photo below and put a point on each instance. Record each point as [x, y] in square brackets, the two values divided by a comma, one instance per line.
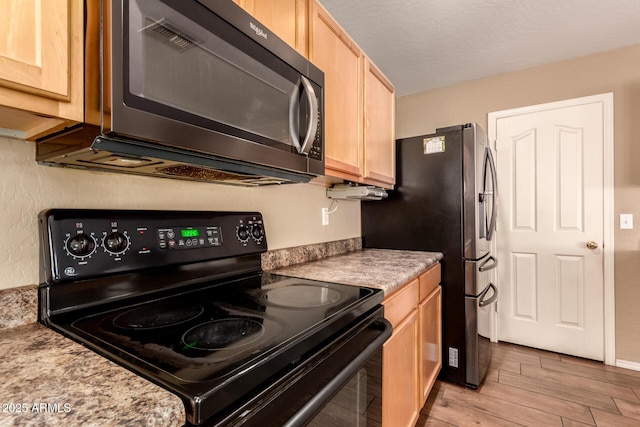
[339, 386]
[184, 74]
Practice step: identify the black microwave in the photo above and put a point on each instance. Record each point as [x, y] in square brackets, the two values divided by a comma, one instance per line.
[194, 90]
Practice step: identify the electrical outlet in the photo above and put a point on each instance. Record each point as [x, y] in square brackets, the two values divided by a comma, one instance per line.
[626, 221]
[325, 216]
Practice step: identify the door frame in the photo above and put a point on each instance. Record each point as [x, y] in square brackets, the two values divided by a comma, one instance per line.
[606, 99]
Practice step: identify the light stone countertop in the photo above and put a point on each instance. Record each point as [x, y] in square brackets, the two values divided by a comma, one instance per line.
[377, 268]
[55, 381]
[47, 379]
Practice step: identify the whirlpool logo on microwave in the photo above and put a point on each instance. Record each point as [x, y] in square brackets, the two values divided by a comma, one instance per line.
[259, 31]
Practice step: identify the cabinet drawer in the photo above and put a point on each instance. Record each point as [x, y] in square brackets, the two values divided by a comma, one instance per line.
[400, 303]
[429, 280]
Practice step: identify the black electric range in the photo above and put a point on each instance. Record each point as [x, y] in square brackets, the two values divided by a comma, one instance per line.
[180, 299]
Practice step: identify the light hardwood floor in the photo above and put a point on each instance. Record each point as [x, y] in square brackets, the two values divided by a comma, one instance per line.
[530, 387]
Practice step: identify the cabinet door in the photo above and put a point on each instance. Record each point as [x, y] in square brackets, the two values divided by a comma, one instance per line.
[430, 342]
[400, 406]
[331, 50]
[35, 46]
[41, 62]
[286, 18]
[379, 127]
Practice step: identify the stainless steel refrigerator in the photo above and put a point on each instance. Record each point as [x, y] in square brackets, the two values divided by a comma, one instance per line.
[446, 200]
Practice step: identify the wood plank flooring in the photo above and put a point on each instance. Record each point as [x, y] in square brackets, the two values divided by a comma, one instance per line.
[529, 387]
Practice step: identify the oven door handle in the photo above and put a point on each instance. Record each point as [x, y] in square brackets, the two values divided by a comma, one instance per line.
[318, 401]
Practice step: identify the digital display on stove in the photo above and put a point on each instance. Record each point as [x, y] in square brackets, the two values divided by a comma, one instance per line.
[190, 232]
[173, 238]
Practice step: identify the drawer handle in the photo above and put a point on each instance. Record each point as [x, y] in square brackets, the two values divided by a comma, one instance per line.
[483, 302]
[485, 267]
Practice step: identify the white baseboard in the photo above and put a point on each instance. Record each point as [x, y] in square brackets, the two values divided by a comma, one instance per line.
[635, 366]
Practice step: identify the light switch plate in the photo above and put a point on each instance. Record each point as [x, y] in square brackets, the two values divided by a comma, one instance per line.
[626, 221]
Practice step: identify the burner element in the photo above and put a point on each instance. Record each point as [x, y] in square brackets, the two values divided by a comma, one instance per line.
[302, 296]
[157, 316]
[223, 334]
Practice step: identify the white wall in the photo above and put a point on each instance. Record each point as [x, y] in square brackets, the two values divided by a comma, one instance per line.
[291, 212]
[616, 71]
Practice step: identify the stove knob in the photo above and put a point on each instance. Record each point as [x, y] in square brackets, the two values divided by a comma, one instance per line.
[81, 245]
[243, 233]
[257, 232]
[116, 243]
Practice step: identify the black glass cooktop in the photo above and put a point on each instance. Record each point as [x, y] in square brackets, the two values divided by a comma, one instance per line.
[213, 332]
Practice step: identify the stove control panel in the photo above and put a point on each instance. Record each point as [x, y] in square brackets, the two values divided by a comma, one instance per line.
[82, 243]
[189, 237]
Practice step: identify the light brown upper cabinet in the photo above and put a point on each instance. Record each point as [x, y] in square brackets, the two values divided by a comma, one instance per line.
[332, 50]
[359, 105]
[41, 66]
[379, 127]
[286, 18]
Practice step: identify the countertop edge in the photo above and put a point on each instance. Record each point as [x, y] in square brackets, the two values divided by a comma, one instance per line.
[385, 269]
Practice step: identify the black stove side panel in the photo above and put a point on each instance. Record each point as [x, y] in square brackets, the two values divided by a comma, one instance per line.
[425, 213]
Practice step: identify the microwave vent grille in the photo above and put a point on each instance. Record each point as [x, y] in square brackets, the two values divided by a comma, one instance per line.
[199, 173]
[168, 33]
[196, 173]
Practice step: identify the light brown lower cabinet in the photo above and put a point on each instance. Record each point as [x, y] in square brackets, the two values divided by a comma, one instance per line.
[411, 358]
[429, 315]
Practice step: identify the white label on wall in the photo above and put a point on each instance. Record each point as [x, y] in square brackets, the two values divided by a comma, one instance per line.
[434, 145]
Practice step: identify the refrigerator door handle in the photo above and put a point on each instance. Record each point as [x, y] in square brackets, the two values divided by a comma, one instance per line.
[485, 267]
[482, 302]
[490, 166]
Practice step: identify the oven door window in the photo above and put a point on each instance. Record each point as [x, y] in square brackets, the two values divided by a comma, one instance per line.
[343, 388]
[184, 62]
[358, 402]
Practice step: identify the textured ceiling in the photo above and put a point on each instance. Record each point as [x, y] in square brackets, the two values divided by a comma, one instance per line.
[426, 44]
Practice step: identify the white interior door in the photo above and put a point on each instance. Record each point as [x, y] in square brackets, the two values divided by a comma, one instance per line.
[550, 228]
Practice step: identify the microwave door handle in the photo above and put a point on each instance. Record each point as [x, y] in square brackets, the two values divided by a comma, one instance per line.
[294, 106]
[312, 127]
